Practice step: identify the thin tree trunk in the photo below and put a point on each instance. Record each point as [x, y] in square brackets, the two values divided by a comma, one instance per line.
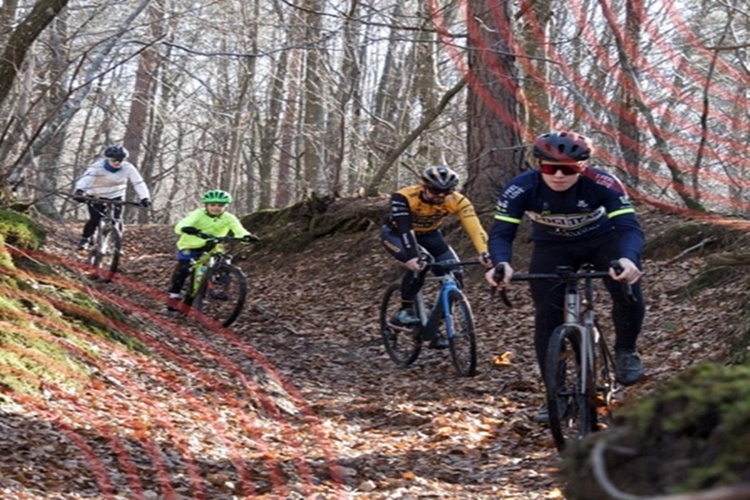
[535, 110]
[314, 110]
[21, 39]
[430, 115]
[143, 97]
[288, 133]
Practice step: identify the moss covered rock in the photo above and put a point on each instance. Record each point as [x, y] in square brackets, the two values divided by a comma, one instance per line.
[692, 434]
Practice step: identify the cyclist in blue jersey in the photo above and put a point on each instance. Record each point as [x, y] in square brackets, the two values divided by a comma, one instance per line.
[213, 219]
[579, 214]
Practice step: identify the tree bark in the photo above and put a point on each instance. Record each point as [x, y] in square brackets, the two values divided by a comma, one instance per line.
[21, 39]
[495, 150]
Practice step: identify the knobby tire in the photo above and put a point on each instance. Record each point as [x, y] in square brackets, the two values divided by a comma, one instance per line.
[104, 254]
[572, 415]
[222, 294]
[402, 343]
[463, 343]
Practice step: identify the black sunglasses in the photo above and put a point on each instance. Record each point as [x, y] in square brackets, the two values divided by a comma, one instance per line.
[551, 169]
[439, 192]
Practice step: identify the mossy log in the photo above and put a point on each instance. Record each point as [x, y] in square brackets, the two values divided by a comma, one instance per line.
[294, 227]
[691, 435]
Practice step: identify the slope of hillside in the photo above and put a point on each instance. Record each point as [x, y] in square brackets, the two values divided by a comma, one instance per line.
[299, 397]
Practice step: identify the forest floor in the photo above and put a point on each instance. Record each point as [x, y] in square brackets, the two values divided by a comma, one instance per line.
[299, 399]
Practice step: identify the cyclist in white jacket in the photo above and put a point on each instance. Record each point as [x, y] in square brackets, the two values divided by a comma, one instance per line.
[107, 178]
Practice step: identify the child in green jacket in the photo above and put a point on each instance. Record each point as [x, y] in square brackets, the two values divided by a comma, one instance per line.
[213, 219]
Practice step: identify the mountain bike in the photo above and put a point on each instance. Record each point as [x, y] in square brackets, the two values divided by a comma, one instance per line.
[105, 250]
[579, 375]
[449, 317]
[216, 287]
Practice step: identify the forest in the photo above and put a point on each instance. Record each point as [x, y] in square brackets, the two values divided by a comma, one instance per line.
[341, 102]
[272, 101]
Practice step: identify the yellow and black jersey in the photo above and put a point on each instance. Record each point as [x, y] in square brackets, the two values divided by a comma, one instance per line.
[409, 212]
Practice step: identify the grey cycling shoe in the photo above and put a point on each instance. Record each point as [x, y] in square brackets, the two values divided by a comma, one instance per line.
[628, 367]
[405, 317]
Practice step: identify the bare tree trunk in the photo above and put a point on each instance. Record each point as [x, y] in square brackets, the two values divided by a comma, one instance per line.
[343, 91]
[314, 111]
[48, 167]
[288, 133]
[390, 158]
[535, 110]
[21, 39]
[382, 124]
[628, 131]
[142, 102]
[686, 192]
[495, 151]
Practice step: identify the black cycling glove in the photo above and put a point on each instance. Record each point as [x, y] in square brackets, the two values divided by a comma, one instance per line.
[79, 196]
[250, 238]
[191, 230]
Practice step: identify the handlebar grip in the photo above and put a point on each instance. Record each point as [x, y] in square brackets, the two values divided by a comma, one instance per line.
[615, 264]
[499, 272]
[627, 289]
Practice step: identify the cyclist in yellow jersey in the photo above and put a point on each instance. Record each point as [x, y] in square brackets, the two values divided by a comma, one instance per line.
[414, 227]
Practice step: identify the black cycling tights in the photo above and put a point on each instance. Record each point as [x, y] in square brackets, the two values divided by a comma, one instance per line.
[548, 296]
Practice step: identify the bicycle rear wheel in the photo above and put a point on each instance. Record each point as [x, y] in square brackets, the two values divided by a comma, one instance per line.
[461, 338]
[572, 414]
[104, 254]
[402, 343]
[223, 295]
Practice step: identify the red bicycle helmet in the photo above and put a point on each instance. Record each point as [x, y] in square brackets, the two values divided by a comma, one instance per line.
[563, 147]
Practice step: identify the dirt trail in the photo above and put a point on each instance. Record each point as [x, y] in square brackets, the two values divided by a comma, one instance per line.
[336, 415]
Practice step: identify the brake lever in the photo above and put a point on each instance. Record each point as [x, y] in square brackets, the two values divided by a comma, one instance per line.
[503, 296]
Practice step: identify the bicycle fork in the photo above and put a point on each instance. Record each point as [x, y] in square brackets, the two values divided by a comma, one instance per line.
[448, 286]
[572, 306]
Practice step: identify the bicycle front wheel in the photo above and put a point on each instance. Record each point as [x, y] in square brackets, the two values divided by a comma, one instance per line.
[461, 338]
[402, 343]
[570, 389]
[104, 254]
[223, 295]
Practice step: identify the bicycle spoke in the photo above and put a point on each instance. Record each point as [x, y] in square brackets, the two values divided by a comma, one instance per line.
[462, 342]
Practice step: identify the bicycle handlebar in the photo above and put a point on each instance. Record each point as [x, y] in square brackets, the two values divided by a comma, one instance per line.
[224, 239]
[562, 273]
[451, 265]
[106, 201]
[565, 272]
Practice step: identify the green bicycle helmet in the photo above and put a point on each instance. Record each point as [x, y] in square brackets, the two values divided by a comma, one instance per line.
[216, 196]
